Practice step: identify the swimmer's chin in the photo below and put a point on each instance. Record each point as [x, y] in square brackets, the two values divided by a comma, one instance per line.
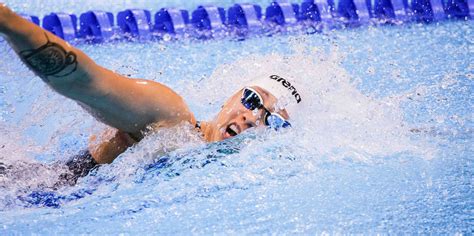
[218, 134]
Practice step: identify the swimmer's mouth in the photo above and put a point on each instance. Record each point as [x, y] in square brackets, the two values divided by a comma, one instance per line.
[232, 130]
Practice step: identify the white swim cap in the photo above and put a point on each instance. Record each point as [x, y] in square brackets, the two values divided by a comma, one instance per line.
[285, 91]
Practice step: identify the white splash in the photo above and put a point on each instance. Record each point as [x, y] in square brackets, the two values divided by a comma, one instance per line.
[337, 121]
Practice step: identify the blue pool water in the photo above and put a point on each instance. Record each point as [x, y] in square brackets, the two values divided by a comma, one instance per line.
[383, 146]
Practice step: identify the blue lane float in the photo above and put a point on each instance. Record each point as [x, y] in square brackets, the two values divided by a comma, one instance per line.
[62, 25]
[437, 9]
[33, 19]
[470, 6]
[208, 18]
[245, 16]
[390, 9]
[135, 23]
[316, 10]
[282, 13]
[355, 11]
[171, 21]
[460, 8]
[428, 10]
[97, 25]
[207, 21]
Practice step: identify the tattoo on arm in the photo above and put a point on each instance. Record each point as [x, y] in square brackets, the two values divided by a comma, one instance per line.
[51, 59]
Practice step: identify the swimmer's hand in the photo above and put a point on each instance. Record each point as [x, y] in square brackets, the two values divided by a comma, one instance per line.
[128, 105]
[106, 147]
[5, 12]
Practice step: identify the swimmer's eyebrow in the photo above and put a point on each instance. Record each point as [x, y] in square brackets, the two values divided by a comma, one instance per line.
[267, 94]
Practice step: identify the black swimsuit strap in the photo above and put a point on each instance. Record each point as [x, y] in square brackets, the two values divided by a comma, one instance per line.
[79, 166]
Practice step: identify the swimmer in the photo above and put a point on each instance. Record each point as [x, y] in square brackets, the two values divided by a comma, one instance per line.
[130, 106]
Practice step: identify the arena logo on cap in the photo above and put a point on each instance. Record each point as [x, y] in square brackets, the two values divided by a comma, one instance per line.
[287, 85]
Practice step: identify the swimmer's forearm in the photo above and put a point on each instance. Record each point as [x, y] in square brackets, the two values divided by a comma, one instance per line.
[64, 68]
[109, 145]
[59, 64]
[126, 104]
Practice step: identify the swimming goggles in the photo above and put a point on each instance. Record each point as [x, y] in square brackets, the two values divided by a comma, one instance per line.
[252, 100]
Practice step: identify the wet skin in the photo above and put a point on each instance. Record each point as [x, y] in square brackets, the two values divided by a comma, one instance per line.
[128, 106]
[234, 118]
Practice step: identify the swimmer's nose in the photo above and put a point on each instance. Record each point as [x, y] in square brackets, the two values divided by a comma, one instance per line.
[246, 116]
[248, 119]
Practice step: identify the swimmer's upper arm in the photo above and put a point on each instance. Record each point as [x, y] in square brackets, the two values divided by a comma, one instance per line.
[131, 104]
[126, 104]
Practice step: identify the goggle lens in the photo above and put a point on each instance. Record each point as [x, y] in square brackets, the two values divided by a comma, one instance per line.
[252, 100]
[276, 121]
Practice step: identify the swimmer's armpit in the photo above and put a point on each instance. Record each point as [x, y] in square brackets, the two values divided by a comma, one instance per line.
[51, 59]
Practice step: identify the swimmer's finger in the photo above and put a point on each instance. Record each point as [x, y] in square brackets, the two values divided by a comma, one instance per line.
[4, 12]
[3, 6]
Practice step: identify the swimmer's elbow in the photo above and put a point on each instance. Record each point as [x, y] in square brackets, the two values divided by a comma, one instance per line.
[183, 115]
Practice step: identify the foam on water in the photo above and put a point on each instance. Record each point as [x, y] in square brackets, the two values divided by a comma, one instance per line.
[335, 116]
[336, 123]
[362, 156]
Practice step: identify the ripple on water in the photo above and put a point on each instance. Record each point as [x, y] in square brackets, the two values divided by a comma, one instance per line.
[370, 151]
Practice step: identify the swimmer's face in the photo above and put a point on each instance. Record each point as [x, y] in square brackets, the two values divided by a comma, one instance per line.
[234, 118]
